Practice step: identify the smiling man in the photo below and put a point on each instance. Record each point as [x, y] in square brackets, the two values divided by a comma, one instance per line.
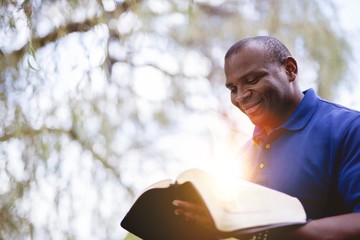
[262, 83]
[302, 145]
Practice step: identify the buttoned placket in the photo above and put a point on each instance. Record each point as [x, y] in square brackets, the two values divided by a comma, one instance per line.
[264, 147]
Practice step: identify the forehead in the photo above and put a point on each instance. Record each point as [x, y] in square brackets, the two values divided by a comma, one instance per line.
[250, 56]
[251, 51]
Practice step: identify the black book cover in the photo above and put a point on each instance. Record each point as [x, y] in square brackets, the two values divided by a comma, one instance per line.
[152, 215]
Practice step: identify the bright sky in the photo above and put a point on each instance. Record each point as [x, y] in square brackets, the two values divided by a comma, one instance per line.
[349, 14]
[350, 20]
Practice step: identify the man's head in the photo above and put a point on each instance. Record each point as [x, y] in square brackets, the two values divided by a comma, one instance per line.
[275, 51]
[261, 75]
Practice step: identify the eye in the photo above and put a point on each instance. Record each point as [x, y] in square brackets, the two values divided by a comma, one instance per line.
[232, 89]
[253, 80]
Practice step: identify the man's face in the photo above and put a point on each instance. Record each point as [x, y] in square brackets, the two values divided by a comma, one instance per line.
[260, 89]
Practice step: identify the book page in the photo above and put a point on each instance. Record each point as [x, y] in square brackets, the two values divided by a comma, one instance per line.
[251, 205]
[255, 205]
[160, 184]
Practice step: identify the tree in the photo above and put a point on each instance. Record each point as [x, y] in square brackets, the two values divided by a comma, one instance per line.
[91, 90]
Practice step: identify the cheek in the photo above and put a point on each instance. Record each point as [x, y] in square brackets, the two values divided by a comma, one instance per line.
[233, 99]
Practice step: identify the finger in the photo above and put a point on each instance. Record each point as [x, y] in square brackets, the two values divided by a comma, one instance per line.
[183, 204]
[189, 207]
[194, 212]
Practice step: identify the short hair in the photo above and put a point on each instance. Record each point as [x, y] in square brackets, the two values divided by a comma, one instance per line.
[276, 51]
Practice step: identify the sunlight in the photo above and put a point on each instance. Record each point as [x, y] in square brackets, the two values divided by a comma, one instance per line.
[224, 165]
[226, 178]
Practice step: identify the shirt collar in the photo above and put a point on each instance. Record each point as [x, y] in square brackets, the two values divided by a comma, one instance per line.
[299, 118]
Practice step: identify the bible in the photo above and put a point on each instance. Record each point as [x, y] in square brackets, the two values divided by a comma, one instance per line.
[247, 209]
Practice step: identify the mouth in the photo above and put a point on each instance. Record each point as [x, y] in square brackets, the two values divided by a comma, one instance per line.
[251, 109]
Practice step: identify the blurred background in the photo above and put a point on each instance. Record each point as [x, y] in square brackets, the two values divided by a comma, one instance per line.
[100, 98]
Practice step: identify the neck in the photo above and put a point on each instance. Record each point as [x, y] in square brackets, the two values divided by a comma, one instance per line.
[283, 117]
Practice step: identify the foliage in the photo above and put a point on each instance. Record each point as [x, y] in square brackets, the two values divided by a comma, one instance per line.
[90, 91]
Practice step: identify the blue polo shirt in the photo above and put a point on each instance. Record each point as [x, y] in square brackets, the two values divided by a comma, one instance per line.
[314, 156]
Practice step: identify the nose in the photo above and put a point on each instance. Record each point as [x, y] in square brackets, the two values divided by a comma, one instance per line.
[242, 96]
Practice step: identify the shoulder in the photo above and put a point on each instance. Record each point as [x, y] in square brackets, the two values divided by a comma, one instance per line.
[341, 125]
[330, 111]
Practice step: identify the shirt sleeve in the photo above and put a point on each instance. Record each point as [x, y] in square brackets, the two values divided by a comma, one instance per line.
[349, 168]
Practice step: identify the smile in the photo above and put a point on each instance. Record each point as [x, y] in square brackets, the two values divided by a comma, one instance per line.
[251, 110]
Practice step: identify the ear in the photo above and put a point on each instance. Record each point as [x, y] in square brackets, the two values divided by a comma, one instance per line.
[291, 68]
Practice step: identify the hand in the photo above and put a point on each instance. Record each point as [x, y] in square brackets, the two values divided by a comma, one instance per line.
[193, 212]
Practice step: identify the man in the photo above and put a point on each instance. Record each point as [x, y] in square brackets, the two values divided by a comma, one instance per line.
[302, 145]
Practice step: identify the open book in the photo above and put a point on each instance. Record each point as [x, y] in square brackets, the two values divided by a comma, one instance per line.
[248, 209]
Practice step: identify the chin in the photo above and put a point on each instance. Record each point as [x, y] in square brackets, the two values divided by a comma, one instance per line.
[258, 121]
